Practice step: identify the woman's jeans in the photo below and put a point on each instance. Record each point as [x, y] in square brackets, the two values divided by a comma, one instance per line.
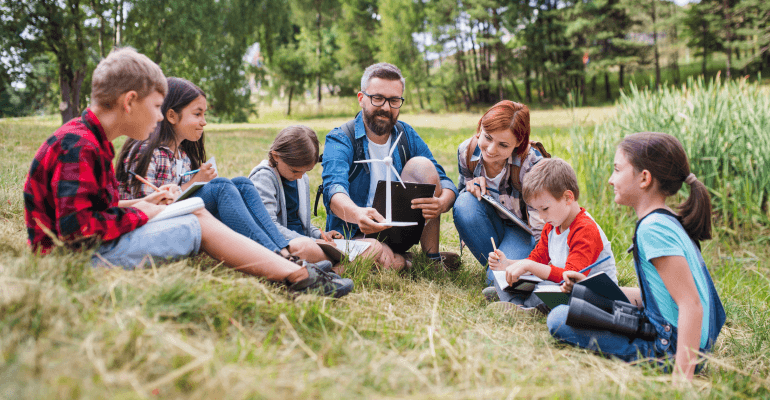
[477, 221]
[237, 204]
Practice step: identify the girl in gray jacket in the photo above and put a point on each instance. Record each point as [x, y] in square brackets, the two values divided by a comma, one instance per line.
[284, 186]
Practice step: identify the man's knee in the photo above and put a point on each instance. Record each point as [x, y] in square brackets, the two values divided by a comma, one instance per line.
[420, 170]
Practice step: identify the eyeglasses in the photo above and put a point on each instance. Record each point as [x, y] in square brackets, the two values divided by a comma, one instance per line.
[379, 101]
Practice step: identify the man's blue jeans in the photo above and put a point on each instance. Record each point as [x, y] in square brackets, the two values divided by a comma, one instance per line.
[477, 221]
[237, 204]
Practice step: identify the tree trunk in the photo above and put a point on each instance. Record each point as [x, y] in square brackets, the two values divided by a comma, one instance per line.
[527, 84]
[607, 94]
[655, 43]
[620, 77]
[675, 55]
[70, 83]
[515, 90]
[318, 49]
[728, 49]
[291, 93]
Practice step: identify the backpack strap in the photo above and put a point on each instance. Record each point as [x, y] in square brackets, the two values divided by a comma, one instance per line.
[358, 154]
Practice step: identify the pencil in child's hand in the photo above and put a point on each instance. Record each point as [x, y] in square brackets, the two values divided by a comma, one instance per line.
[494, 248]
[145, 181]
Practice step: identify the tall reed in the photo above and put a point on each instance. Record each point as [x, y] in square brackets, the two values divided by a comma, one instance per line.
[725, 130]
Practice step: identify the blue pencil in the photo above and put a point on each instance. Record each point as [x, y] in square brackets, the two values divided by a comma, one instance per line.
[591, 266]
[191, 172]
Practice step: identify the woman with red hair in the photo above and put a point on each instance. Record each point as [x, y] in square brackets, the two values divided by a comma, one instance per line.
[494, 161]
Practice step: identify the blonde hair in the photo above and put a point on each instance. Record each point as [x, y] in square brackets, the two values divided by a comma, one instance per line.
[552, 174]
[124, 70]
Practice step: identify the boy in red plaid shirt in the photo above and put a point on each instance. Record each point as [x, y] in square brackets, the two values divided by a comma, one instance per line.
[71, 194]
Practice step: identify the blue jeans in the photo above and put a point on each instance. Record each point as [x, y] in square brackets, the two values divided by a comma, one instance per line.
[477, 221]
[237, 204]
[605, 342]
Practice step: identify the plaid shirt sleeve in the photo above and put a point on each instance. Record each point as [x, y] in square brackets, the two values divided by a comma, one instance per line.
[81, 209]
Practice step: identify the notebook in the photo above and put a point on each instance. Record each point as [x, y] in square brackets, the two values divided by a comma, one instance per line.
[341, 247]
[179, 208]
[508, 214]
[600, 284]
[190, 191]
[526, 282]
[401, 238]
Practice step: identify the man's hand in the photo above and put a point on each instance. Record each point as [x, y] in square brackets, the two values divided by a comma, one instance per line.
[570, 279]
[149, 209]
[431, 206]
[366, 218]
[206, 173]
[477, 186]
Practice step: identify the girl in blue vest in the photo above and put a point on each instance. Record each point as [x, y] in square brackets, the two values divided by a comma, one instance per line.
[676, 293]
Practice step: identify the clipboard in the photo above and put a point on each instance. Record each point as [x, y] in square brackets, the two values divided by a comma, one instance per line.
[401, 238]
[507, 213]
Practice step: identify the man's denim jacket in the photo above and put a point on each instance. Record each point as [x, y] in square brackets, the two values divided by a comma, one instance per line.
[338, 160]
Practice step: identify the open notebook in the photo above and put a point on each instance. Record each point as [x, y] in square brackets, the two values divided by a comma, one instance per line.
[179, 208]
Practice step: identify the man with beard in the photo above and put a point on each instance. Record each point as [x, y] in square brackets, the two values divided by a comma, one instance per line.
[349, 188]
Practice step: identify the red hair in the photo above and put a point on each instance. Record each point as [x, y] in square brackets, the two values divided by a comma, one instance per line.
[508, 115]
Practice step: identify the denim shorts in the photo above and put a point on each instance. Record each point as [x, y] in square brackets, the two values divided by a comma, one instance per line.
[164, 240]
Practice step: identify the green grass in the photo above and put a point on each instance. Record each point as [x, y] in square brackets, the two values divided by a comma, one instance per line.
[194, 329]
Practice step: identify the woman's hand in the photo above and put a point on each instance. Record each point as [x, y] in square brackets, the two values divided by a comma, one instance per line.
[477, 186]
[570, 279]
[206, 173]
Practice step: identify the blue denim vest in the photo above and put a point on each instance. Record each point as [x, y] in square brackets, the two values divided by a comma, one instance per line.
[667, 334]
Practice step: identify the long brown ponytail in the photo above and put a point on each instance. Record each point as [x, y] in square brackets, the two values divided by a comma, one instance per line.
[664, 157]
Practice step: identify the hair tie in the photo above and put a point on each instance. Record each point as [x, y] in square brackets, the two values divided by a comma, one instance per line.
[690, 179]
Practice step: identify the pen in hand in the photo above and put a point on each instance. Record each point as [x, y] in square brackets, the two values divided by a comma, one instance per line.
[145, 181]
[195, 171]
[590, 266]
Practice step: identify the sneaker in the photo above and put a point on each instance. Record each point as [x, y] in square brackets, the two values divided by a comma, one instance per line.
[503, 306]
[322, 282]
[449, 261]
[490, 293]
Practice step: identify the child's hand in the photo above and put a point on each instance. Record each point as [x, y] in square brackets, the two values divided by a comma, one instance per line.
[149, 209]
[162, 197]
[206, 173]
[173, 189]
[514, 271]
[334, 235]
[477, 186]
[498, 261]
[570, 279]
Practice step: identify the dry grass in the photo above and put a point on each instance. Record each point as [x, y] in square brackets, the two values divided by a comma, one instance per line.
[195, 330]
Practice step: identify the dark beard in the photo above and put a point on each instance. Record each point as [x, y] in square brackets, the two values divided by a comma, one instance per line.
[378, 127]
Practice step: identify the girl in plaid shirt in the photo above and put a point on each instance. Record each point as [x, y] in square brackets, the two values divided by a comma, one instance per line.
[177, 147]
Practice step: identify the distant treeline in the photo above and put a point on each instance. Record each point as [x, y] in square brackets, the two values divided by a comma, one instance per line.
[454, 53]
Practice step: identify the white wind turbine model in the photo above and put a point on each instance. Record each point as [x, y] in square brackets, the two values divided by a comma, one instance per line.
[388, 161]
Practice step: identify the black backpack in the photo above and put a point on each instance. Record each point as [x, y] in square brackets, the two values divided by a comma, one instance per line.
[358, 154]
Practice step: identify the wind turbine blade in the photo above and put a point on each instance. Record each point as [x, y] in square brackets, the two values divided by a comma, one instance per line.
[366, 161]
[395, 144]
[398, 176]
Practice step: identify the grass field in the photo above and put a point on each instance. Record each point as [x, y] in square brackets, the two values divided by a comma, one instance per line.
[193, 329]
